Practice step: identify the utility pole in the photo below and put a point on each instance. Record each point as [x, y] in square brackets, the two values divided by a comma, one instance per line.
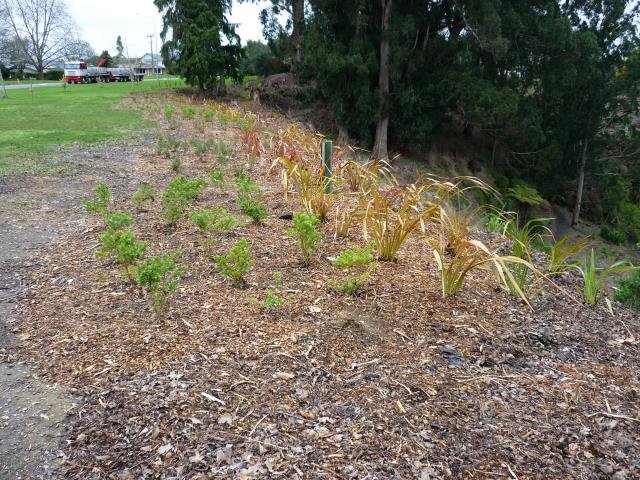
[4, 88]
[151, 46]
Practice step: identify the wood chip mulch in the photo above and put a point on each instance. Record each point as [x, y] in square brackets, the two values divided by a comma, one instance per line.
[394, 383]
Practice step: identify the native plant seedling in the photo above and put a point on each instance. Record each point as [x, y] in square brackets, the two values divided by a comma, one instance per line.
[180, 192]
[236, 263]
[355, 257]
[168, 111]
[252, 206]
[216, 177]
[273, 298]
[353, 284]
[203, 219]
[144, 196]
[561, 253]
[100, 203]
[188, 111]
[159, 276]
[594, 277]
[304, 229]
[118, 220]
[176, 164]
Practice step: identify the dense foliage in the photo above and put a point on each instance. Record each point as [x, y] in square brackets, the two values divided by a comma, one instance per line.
[203, 46]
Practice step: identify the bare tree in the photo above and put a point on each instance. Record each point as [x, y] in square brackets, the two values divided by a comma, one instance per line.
[44, 27]
[79, 50]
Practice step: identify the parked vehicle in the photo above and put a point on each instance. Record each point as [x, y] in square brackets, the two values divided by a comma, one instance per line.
[81, 72]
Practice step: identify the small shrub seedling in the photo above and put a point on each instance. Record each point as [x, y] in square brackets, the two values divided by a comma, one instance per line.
[160, 276]
[168, 111]
[129, 248]
[353, 283]
[222, 151]
[203, 219]
[355, 257]
[200, 147]
[188, 111]
[176, 163]
[236, 263]
[118, 220]
[180, 192]
[217, 178]
[273, 298]
[100, 203]
[304, 229]
[144, 196]
[253, 207]
[629, 291]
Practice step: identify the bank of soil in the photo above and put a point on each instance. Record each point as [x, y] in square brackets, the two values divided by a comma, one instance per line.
[397, 382]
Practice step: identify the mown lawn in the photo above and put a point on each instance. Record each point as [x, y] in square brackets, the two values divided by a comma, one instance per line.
[32, 122]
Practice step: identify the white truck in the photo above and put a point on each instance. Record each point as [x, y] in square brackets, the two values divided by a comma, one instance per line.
[81, 72]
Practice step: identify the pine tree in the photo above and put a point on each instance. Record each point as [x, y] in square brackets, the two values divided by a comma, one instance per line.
[196, 49]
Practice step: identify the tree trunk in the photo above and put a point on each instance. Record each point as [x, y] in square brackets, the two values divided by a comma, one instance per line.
[343, 135]
[297, 9]
[583, 164]
[380, 145]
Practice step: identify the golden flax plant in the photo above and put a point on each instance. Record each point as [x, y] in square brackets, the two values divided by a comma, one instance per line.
[391, 215]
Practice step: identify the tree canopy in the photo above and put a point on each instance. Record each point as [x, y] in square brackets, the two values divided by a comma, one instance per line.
[203, 47]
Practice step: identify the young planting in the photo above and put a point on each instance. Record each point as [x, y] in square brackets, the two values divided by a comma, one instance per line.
[304, 229]
[159, 276]
[179, 194]
[144, 196]
[273, 295]
[391, 215]
[594, 277]
[100, 203]
[237, 263]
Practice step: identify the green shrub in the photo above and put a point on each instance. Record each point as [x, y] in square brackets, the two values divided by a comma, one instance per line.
[208, 114]
[203, 219]
[180, 192]
[224, 221]
[253, 207]
[219, 219]
[273, 298]
[355, 257]
[168, 111]
[223, 117]
[353, 284]
[188, 111]
[613, 235]
[200, 147]
[100, 203]
[159, 276]
[245, 184]
[304, 229]
[629, 290]
[144, 195]
[167, 146]
[118, 220]
[630, 220]
[236, 263]
[176, 164]
[129, 248]
[217, 178]
[222, 151]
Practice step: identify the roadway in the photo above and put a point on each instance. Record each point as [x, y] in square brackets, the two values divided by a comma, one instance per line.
[16, 86]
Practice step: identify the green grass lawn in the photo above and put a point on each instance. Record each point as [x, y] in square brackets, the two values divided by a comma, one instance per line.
[32, 122]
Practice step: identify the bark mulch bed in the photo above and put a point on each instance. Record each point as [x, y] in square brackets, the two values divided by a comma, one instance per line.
[394, 383]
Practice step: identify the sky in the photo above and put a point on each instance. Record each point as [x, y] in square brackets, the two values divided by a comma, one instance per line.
[100, 23]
